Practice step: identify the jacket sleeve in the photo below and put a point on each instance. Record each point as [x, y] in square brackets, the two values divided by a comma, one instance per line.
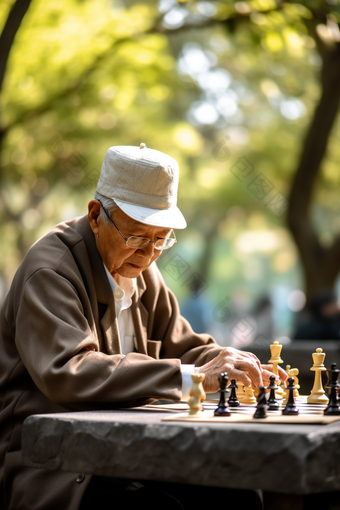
[62, 355]
[166, 324]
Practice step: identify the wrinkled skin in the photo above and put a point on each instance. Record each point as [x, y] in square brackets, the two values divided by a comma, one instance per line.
[117, 257]
[121, 260]
[239, 365]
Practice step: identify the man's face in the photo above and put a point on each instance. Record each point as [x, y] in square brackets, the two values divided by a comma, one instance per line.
[117, 257]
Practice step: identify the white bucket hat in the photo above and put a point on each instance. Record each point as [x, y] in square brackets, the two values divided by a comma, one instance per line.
[143, 182]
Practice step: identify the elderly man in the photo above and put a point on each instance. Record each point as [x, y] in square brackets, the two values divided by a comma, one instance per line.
[90, 324]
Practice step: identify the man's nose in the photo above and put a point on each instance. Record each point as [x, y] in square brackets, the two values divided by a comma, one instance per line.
[148, 250]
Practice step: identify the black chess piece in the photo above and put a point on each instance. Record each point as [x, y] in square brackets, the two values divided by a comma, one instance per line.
[327, 386]
[233, 400]
[222, 408]
[291, 408]
[273, 404]
[261, 409]
[333, 407]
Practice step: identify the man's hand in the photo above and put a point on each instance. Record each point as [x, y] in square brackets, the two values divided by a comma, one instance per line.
[267, 371]
[240, 365]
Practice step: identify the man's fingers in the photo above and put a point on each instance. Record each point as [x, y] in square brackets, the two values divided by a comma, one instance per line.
[239, 365]
[254, 371]
[283, 375]
[266, 375]
[249, 355]
[239, 375]
[269, 368]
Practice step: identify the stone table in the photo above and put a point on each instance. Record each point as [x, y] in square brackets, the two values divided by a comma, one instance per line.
[286, 461]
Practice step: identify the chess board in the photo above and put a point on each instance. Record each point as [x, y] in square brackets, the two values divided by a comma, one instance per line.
[309, 413]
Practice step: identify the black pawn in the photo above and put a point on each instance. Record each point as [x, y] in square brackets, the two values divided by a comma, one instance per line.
[233, 400]
[223, 409]
[261, 409]
[327, 386]
[273, 404]
[291, 408]
[333, 407]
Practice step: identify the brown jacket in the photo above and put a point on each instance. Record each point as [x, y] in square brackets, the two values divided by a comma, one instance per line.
[60, 351]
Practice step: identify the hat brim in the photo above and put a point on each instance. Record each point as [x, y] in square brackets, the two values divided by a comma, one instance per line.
[167, 218]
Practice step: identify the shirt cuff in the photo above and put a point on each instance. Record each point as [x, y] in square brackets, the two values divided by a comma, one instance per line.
[186, 370]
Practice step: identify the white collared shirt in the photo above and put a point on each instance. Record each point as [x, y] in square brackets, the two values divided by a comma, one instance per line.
[123, 292]
[123, 299]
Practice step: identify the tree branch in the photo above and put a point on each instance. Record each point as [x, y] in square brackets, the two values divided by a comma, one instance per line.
[48, 104]
[157, 28]
[13, 22]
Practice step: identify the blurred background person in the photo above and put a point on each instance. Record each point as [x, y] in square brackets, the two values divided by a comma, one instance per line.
[324, 319]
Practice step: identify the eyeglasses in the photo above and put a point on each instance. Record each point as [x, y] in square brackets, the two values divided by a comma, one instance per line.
[141, 242]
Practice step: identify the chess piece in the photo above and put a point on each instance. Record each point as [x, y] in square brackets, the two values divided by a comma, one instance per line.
[222, 408]
[317, 395]
[233, 400]
[261, 408]
[272, 403]
[245, 394]
[197, 394]
[293, 372]
[328, 386]
[240, 391]
[275, 360]
[290, 407]
[333, 407]
[249, 395]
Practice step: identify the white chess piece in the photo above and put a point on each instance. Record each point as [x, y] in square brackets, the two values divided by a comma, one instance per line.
[293, 372]
[245, 394]
[275, 360]
[197, 394]
[317, 395]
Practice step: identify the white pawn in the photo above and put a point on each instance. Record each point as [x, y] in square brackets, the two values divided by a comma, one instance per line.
[245, 394]
[249, 395]
[293, 372]
[275, 360]
[318, 395]
[197, 394]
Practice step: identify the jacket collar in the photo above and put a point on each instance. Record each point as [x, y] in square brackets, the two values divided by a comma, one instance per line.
[102, 285]
[141, 285]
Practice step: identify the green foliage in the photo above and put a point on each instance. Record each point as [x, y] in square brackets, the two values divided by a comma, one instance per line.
[83, 76]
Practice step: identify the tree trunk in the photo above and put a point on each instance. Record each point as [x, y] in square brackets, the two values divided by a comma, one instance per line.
[320, 265]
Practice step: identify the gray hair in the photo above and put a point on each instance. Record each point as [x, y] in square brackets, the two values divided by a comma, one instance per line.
[109, 204]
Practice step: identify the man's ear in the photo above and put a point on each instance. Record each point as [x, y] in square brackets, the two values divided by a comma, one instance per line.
[94, 215]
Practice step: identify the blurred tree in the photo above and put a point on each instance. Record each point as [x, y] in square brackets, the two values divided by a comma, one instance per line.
[280, 27]
[12, 24]
[321, 264]
[78, 80]
[179, 76]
